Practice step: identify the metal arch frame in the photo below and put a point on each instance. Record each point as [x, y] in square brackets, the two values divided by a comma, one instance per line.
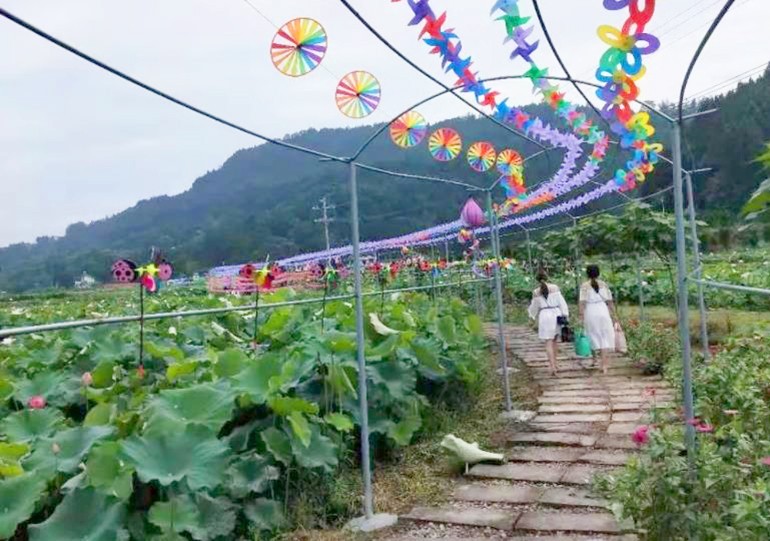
[678, 205]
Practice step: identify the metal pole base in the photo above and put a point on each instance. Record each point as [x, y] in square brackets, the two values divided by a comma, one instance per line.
[372, 524]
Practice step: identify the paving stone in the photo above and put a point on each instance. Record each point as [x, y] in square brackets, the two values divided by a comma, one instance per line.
[568, 522]
[622, 428]
[564, 497]
[627, 537]
[605, 457]
[498, 493]
[629, 417]
[616, 442]
[580, 474]
[545, 454]
[573, 418]
[573, 400]
[573, 408]
[520, 472]
[583, 393]
[554, 438]
[488, 518]
[519, 416]
[572, 428]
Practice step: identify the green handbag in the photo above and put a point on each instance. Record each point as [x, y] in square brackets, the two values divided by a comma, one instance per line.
[582, 344]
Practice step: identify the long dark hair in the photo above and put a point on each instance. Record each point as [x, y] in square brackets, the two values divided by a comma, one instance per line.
[592, 271]
[542, 277]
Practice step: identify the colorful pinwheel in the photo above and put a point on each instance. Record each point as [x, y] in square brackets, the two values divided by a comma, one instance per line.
[358, 94]
[481, 156]
[298, 47]
[445, 144]
[149, 276]
[509, 161]
[409, 130]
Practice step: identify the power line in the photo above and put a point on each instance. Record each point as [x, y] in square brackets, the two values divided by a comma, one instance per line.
[732, 80]
[325, 219]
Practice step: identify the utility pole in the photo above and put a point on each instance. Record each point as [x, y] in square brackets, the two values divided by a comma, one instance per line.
[325, 219]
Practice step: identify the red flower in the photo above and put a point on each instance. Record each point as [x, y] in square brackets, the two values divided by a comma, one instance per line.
[704, 427]
[765, 461]
[36, 402]
[641, 435]
[148, 283]
[140, 372]
[87, 378]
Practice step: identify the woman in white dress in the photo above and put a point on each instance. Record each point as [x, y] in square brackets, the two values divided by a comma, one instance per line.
[546, 307]
[597, 312]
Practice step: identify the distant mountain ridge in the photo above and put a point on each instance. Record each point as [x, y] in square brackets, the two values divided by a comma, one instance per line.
[260, 201]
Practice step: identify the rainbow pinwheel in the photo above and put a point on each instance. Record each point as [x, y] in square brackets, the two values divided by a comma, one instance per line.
[409, 130]
[481, 156]
[509, 161]
[445, 144]
[358, 94]
[298, 47]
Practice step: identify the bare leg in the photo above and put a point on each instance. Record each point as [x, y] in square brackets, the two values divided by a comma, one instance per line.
[605, 360]
[550, 348]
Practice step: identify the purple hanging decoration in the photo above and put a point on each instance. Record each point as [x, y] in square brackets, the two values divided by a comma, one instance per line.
[471, 214]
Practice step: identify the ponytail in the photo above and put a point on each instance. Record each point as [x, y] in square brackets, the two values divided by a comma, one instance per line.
[542, 277]
[592, 271]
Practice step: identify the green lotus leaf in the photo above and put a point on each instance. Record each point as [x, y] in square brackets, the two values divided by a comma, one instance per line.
[230, 362]
[74, 444]
[103, 375]
[403, 431]
[250, 474]
[384, 348]
[46, 356]
[83, 515]
[255, 380]
[340, 381]
[427, 354]
[396, 376]
[284, 405]
[45, 384]
[106, 472]
[339, 421]
[29, 425]
[300, 427]
[215, 518]
[18, 496]
[341, 342]
[99, 415]
[6, 389]
[320, 452]
[278, 444]
[176, 515]
[210, 405]
[195, 456]
[447, 329]
[264, 514]
[474, 325]
[179, 370]
[113, 347]
[10, 454]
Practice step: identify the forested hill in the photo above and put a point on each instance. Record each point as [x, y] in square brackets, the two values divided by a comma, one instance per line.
[260, 201]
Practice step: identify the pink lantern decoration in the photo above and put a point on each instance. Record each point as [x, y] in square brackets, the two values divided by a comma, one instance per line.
[472, 215]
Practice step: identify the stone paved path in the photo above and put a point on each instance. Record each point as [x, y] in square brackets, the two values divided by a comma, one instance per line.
[582, 427]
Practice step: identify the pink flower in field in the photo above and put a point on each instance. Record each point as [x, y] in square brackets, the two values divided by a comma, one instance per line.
[765, 461]
[36, 402]
[704, 427]
[641, 435]
[140, 372]
[87, 378]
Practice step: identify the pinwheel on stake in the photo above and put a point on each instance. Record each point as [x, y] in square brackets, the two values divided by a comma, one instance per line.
[481, 156]
[358, 94]
[509, 161]
[409, 130]
[445, 144]
[298, 47]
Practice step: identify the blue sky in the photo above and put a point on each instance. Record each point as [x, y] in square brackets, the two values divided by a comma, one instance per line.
[77, 144]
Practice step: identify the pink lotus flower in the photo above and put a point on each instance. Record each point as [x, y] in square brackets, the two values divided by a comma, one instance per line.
[765, 461]
[87, 379]
[36, 402]
[641, 435]
[140, 371]
[704, 427]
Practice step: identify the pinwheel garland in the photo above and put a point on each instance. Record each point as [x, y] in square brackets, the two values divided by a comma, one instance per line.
[358, 94]
[445, 144]
[149, 276]
[509, 161]
[481, 156]
[298, 47]
[409, 130]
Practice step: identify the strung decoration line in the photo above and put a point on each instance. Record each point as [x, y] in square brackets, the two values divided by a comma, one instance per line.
[298, 47]
[409, 130]
[481, 156]
[358, 94]
[445, 144]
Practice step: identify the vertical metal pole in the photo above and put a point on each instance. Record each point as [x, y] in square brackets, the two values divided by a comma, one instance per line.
[529, 251]
[500, 308]
[640, 286]
[704, 333]
[362, 399]
[446, 250]
[684, 313]
[576, 255]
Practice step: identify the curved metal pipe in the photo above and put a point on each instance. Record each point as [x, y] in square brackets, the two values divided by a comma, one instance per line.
[698, 51]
